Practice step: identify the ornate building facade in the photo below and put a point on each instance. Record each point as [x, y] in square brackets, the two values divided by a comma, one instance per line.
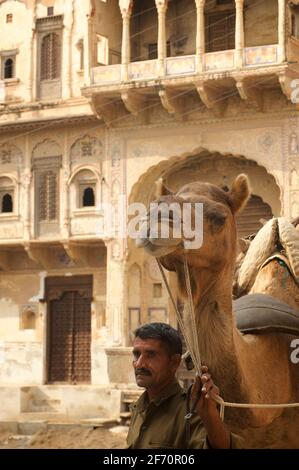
[98, 100]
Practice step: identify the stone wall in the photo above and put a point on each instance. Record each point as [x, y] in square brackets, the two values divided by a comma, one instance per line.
[261, 23]
[23, 345]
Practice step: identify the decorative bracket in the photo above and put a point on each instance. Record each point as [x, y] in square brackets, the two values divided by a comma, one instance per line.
[172, 101]
[76, 253]
[133, 102]
[107, 109]
[39, 255]
[251, 94]
[213, 98]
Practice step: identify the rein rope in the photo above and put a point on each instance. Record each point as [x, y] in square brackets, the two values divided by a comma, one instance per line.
[193, 346]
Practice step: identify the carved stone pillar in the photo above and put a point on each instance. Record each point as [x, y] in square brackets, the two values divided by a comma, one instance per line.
[25, 201]
[68, 22]
[65, 204]
[126, 11]
[239, 39]
[162, 46]
[33, 58]
[31, 67]
[66, 80]
[200, 33]
[87, 50]
[65, 200]
[281, 30]
[26, 184]
[116, 298]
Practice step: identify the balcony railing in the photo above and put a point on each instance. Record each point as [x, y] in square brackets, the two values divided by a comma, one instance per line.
[222, 60]
[183, 65]
[143, 70]
[258, 56]
[106, 74]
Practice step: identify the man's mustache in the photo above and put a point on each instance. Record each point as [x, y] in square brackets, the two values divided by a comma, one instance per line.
[142, 371]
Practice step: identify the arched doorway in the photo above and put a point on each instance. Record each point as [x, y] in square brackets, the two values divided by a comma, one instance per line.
[214, 168]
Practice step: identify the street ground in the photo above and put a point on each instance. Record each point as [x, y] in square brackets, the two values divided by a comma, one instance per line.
[282, 433]
[70, 437]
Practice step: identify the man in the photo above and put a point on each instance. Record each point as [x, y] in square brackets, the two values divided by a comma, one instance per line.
[158, 417]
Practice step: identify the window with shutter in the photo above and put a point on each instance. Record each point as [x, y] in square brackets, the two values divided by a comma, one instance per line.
[88, 199]
[7, 203]
[153, 50]
[50, 57]
[6, 195]
[48, 195]
[8, 68]
[47, 171]
[220, 31]
[86, 188]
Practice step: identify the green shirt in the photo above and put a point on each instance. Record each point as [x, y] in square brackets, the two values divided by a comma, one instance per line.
[160, 424]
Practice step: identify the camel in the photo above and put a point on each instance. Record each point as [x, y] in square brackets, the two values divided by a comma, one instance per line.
[251, 368]
[275, 276]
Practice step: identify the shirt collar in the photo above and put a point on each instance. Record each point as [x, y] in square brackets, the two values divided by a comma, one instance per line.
[171, 389]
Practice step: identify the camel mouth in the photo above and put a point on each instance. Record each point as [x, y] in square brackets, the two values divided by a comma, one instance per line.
[158, 239]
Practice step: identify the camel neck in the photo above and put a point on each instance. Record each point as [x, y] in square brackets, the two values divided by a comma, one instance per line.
[215, 322]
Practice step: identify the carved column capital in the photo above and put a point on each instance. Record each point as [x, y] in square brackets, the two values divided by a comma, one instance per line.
[126, 7]
[161, 6]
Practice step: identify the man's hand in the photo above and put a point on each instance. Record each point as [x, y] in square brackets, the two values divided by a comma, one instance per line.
[218, 435]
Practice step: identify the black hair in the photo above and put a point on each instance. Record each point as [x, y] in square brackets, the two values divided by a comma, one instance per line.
[162, 332]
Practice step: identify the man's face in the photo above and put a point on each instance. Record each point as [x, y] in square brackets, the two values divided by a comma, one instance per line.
[153, 365]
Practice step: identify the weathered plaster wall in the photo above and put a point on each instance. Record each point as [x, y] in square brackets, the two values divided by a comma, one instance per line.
[19, 36]
[20, 42]
[181, 27]
[256, 142]
[23, 356]
[261, 23]
[144, 28]
[108, 23]
[23, 349]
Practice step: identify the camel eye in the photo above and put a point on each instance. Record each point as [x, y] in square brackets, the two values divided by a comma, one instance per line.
[216, 216]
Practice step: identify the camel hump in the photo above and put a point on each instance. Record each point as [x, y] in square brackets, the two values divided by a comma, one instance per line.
[261, 313]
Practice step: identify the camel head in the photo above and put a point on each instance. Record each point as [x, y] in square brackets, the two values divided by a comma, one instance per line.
[216, 222]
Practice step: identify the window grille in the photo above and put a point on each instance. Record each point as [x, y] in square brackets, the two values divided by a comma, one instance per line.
[50, 57]
[220, 32]
[48, 196]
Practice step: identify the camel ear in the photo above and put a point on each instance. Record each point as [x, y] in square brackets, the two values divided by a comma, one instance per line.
[161, 189]
[240, 192]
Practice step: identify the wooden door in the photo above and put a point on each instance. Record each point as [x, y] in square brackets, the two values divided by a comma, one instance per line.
[69, 329]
